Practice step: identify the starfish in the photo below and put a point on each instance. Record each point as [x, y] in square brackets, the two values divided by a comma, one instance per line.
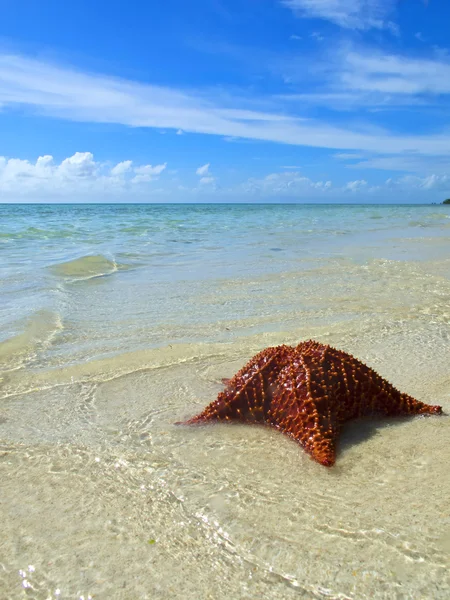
[308, 392]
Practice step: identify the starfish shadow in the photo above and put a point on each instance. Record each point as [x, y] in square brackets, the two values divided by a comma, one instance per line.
[360, 430]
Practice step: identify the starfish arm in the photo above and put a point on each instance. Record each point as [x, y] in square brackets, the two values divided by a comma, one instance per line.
[304, 412]
[357, 389]
[391, 402]
[373, 395]
[248, 394]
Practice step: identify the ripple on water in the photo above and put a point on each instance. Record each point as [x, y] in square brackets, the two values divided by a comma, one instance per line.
[87, 267]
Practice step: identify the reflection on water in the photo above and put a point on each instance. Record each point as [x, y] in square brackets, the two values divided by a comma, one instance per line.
[103, 496]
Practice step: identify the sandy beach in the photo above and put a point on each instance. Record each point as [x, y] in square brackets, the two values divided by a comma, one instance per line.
[116, 322]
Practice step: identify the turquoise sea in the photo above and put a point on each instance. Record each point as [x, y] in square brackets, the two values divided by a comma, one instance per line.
[118, 320]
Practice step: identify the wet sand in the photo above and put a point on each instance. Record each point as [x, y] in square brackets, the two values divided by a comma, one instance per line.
[103, 496]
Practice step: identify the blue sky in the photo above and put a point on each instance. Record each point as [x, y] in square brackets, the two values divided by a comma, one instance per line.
[225, 100]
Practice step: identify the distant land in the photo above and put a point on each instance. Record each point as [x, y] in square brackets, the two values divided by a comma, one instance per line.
[446, 201]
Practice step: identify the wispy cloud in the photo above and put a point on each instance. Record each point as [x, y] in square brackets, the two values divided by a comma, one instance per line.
[203, 170]
[206, 177]
[207, 180]
[146, 173]
[423, 165]
[397, 75]
[352, 78]
[66, 93]
[350, 14]
[315, 35]
[348, 156]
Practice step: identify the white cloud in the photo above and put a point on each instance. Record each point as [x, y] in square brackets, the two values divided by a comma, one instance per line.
[288, 183]
[350, 14]
[79, 166]
[204, 170]
[66, 93]
[436, 182]
[432, 182]
[355, 186]
[348, 156]
[420, 165]
[74, 176]
[81, 178]
[207, 180]
[296, 186]
[351, 78]
[315, 35]
[395, 74]
[122, 168]
[147, 173]
[348, 99]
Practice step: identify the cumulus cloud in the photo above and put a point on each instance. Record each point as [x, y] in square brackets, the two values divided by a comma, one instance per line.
[294, 186]
[122, 168]
[432, 182]
[79, 166]
[81, 178]
[75, 175]
[287, 183]
[356, 186]
[147, 173]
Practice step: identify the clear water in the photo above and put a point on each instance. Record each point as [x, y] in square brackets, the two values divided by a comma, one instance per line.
[118, 320]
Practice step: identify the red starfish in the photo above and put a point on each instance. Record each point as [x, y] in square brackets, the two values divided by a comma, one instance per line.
[308, 392]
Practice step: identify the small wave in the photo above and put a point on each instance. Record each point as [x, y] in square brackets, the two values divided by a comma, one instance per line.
[38, 334]
[87, 267]
[37, 233]
[431, 221]
[101, 370]
[438, 216]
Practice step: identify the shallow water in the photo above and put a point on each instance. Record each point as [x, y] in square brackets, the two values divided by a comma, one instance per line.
[117, 321]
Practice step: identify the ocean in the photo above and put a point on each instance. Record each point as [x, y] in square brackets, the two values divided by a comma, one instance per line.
[116, 321]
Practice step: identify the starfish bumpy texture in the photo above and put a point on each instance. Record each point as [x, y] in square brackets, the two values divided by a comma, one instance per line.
[308, 392]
